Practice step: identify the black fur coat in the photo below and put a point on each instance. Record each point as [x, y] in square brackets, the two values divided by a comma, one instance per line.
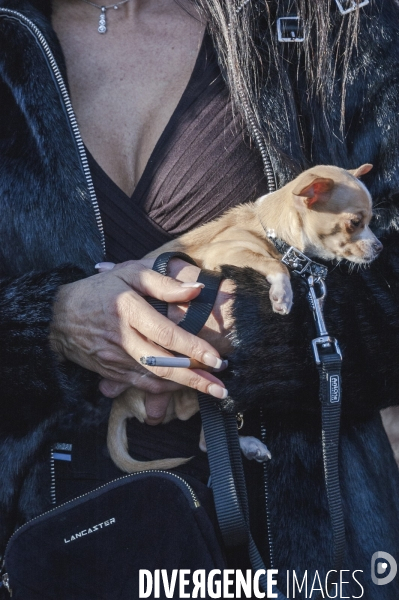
[49, 237]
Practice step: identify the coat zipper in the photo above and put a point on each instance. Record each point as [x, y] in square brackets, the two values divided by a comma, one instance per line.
[182, 484]
[266, 493]
[13, 14]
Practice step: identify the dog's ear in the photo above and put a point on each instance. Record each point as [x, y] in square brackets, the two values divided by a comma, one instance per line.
[362, 170]
[315, 190]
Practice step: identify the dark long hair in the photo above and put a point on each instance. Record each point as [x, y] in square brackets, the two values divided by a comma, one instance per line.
[255, 64]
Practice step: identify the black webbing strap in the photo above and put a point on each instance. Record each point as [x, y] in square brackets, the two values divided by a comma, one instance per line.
[224, 455]
[330, 397]
[328, 360]
[201, 307]
[198, 311]
[224, 485]
[161, 266]
[233, 449]
[228, 483]
[218, 426]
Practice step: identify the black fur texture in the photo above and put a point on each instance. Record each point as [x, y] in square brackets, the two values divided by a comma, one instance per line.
[49, 237]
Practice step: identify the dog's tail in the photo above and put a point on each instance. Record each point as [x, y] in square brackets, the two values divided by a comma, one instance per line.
[118, 445]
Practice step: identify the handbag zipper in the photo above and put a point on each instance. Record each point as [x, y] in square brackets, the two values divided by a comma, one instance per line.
[13, 14]
[182, 483]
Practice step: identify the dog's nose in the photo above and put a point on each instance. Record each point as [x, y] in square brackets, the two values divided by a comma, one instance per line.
[377, 246]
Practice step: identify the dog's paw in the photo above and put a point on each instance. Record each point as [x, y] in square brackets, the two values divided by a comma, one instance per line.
[280, 293]
[254, 449]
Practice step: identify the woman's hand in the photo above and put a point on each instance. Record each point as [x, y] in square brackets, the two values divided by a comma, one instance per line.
[104, 324]
[215, 331]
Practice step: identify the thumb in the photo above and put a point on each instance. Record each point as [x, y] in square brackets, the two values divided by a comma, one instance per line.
[150, 283]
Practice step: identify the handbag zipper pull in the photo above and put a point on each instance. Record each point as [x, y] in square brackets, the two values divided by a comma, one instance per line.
[6, 582]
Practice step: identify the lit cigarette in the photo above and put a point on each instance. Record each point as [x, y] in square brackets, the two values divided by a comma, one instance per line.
[179, 362]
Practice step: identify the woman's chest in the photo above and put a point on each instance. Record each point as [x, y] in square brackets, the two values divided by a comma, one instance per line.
[125, 84]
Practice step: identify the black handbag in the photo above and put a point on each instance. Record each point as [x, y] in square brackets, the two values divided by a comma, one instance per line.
[109, 543]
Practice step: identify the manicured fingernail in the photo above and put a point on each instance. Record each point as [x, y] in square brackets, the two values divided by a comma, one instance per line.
[218, 391]
[194, 284]
[210, 360]
[225, 364]
[105, 266]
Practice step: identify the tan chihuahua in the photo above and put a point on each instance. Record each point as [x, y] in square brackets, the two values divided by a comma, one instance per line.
[325, 213]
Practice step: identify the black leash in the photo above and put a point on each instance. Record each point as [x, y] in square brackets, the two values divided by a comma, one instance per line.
[221, 435]
[328, 359]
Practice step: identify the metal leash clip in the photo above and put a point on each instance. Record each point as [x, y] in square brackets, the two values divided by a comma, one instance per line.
[314, 274]
[290, 29]
[347, 6]
[317, 302]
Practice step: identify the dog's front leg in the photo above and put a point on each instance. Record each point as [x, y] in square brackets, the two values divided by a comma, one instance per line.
[276, 273]
[280, 291]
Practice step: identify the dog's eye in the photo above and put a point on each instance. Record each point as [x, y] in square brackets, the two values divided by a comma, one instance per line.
[355, 222]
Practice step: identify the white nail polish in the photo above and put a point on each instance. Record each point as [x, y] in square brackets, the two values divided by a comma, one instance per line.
[224, 365]
[195, 284]
[106, 266]
[217, 391]
[210, 360]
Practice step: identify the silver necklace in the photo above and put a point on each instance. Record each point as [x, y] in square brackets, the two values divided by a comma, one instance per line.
[102, 23]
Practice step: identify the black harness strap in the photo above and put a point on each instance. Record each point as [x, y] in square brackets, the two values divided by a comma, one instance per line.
[228, 482]
[221, 447]
[160, 266]
[221, 434]
[231, 518]
[198, 311]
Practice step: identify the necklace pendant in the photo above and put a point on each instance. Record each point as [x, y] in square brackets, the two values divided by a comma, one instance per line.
[102, 23]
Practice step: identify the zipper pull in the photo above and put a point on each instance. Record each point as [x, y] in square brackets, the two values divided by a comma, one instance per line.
[6, 583]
